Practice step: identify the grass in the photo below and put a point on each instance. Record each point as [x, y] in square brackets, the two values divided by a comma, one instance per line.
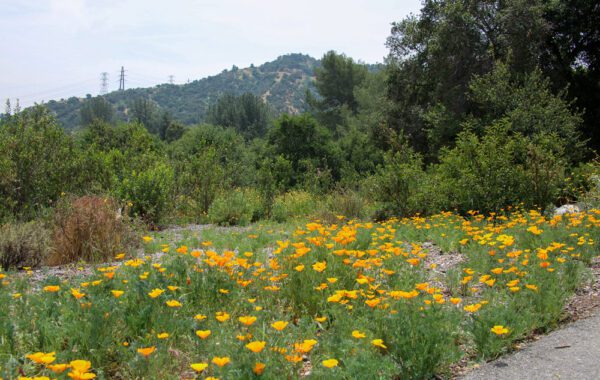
[352, 300]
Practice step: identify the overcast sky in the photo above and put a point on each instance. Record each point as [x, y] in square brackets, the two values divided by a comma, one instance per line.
[59, 48]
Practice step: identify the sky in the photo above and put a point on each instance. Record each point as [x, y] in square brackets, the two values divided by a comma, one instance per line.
[55, 49]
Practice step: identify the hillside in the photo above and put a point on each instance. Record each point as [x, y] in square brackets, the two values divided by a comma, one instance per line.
[282, 83]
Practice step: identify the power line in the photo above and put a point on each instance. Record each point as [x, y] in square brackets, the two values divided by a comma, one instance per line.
[122, 80]
[56, 90]
[70, 89]
[104, 83]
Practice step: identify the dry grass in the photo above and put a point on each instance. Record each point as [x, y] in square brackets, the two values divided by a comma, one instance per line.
[22, 244]
[91, 229]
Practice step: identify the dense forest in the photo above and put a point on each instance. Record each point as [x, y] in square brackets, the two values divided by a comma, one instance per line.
[480, 105]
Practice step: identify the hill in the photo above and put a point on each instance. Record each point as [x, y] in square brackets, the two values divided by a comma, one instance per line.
[282, 83]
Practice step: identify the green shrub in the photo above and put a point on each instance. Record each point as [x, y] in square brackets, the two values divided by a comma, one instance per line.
[348, 203]
[211, 151]
[309, 147]
[23, 244]
[37, 161]
[396, 185]
[591, 197]
[545, 168]
[481, 174]
[315, 179]
[498, 170]
[187, 210]
[149, 192]
[238, 207]
[90, 228]
[201, 177]
[272, 177]
[293, 204]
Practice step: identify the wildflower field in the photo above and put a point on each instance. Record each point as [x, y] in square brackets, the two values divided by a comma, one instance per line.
[352, 300]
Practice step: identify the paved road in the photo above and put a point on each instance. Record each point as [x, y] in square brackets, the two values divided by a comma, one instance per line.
[572, 352]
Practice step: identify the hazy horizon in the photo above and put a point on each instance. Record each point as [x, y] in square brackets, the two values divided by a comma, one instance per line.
[59, 48]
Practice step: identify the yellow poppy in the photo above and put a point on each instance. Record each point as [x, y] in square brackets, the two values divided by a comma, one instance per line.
[203, 334]
[256, 346]
[279, 325]
[221, 361]
[147, 351]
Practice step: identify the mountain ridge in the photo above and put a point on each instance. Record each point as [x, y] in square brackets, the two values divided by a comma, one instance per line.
[282, 83]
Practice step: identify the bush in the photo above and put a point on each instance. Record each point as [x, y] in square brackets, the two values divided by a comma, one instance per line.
[238, 207]
[397, 184]
[90, 228]
[481, 174]
[214, 154]
[23, 244]
[310, 149]
[591, 195]
[591, 199]
[348, 203]
[149, 192]
[37, 161]
[187, 210]
[201, 177]
[293, 204]
[498, 170]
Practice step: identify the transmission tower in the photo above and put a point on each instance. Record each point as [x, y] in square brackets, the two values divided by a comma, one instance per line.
[122, 80]
[171, 79]
[103, 83]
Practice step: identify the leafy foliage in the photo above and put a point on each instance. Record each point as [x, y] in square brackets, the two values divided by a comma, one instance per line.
[336, 79]
[306, 145]
[247, 114]
[497, 171]
[529, 106]
[293, 204]
[398, 182]
[475, 107]
[238, 207]
[435, 56]
[96, 109]
[37, 160]
[149, 192]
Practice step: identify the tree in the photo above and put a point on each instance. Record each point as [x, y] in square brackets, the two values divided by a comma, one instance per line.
[163, 124]
[174, 131]
[527, 103]
[433, 57]
[306, 144]
[37, 162]
[571, 58]
[96, 108]
[145, 111]
[247, 114]
[230, 152]
[336, 79]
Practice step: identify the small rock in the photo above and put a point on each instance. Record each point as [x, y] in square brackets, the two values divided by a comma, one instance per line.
[567, 209]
